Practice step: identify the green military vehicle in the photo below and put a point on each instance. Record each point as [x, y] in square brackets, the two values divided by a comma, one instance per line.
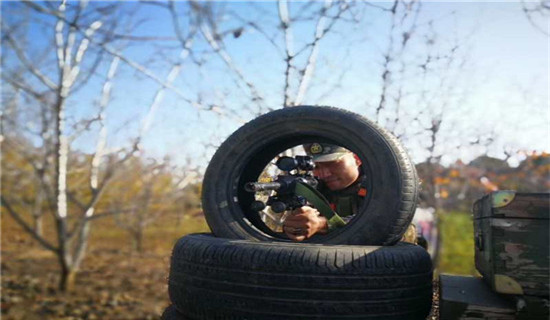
[512, 254]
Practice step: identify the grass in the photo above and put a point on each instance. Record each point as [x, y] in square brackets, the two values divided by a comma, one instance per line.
[159, 237]
[457, 243]
[456, 233]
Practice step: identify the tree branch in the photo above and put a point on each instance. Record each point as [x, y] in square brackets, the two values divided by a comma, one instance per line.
[126, 60]
[38, 171]
[541, 8]
[23, 58]
[320, 32]
[102, 139]
[257, 98]
[104, 214]
[25, 226]
[284, 16]
[23, 86]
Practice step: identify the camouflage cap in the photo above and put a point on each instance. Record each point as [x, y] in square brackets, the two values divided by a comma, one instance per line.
[323, 152]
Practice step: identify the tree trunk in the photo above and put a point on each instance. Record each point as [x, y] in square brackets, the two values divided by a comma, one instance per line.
[67, 281]
[138, 241]
[38, 225]
[68, 276]
[37, 210]
[82, 244]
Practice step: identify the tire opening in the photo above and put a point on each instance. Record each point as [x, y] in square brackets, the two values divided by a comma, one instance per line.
[261, 168]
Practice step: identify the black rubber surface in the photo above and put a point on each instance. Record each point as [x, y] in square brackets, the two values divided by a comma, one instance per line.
[214, 278]
[171, 313]
[392, 183]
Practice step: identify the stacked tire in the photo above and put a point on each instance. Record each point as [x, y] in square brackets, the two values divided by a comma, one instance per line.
[244, 270]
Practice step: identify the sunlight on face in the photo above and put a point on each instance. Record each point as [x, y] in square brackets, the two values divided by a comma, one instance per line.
[338, 174]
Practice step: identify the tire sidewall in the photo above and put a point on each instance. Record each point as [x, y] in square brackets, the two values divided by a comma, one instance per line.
[378, 150]
[216, 278]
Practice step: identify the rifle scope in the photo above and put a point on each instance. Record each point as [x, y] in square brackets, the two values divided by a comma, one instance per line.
[304, 163]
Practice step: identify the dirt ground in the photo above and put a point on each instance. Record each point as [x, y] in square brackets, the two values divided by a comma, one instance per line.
[113, 282]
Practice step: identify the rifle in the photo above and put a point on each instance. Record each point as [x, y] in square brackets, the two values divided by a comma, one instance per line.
[296, 170]
[295, 188]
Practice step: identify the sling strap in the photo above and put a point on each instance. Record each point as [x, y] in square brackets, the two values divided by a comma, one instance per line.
[320, 203]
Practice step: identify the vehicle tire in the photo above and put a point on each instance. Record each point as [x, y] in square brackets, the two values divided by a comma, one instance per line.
[215, 278]
[171, 313]
[392, 182]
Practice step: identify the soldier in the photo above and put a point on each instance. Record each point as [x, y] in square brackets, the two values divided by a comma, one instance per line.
[339, 171]
[342, 182]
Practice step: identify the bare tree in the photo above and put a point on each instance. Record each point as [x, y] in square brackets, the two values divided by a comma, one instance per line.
[144, 193]
[80, 47]
[418, 100]
[325, 21]
[16, 176]
[299, 64]
[71, 51]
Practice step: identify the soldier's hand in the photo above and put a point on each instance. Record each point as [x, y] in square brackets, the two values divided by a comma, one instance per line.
[303, 223]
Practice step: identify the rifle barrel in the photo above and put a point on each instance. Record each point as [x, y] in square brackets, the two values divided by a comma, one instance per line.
[260, 186]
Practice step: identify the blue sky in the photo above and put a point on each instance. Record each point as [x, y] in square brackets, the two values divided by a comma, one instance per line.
[501, 89]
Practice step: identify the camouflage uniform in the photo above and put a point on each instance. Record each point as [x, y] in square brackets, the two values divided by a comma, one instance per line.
[346, 202]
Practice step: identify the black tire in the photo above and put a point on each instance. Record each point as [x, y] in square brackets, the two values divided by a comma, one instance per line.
[171, 313]
[215, 278]
[392, 182]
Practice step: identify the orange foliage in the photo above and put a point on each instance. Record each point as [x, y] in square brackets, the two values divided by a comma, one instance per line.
[442, 180]
[454, 173]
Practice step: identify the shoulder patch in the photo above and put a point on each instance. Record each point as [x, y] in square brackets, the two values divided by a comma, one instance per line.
[316, 148]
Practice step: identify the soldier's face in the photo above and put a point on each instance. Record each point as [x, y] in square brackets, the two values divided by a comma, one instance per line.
[338, 174]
